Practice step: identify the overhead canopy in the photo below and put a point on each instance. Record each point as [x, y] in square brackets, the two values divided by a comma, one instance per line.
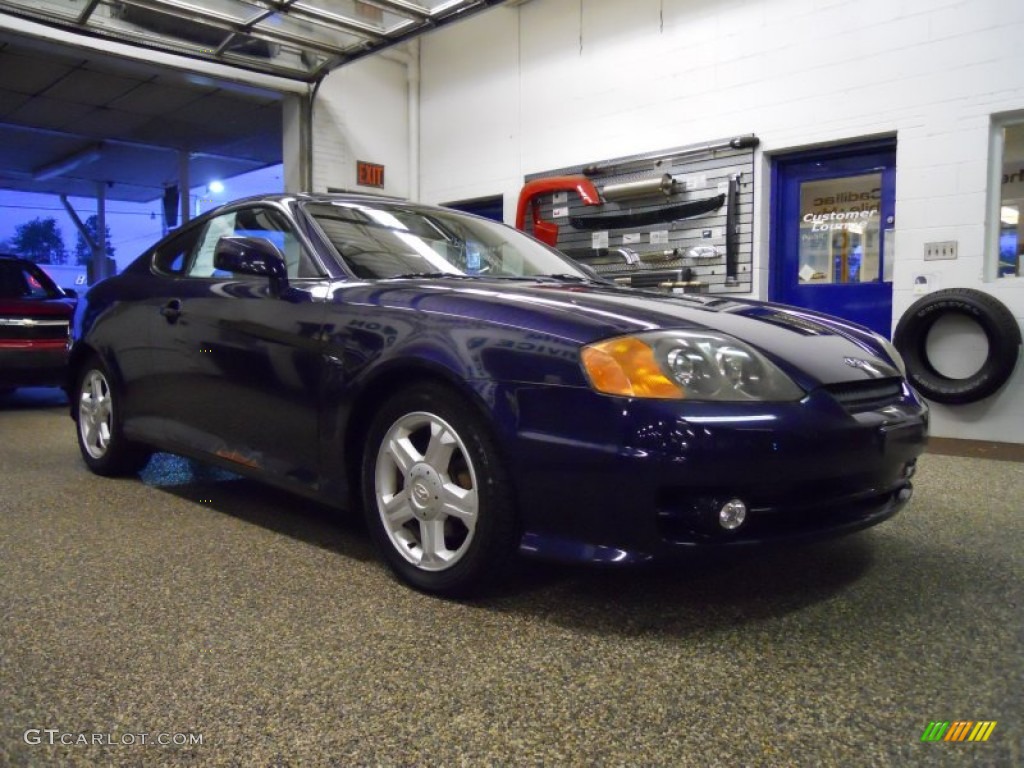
[299, 39]
[119, 93]
[69, 120]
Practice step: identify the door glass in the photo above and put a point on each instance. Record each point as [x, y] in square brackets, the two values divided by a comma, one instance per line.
[839, 230]
[1011, 203]
[260, 222]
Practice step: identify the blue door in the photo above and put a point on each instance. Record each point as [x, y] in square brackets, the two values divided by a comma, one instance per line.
[833, 226]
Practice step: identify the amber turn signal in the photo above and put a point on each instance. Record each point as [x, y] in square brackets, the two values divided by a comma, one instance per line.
[627, 366]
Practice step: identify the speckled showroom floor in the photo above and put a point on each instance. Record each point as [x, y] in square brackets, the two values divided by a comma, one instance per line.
[267, 627]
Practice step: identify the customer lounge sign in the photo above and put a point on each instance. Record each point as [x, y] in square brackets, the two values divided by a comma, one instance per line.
[841, 204]
[839, 229]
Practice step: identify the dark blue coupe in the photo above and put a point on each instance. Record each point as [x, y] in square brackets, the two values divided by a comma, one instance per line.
[478, 393]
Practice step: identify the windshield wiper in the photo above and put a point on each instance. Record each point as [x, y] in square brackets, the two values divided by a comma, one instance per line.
[411, 275]
[554, 278]
[564, 277]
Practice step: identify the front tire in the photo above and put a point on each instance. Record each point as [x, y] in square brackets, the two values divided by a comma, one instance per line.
[101, 440]
[438, 501]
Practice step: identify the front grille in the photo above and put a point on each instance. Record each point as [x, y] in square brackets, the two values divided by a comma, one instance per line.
[860, 396]
[33, 329]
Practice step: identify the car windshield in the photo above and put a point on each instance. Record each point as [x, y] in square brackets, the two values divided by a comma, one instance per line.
[20, 280]
[406, 241]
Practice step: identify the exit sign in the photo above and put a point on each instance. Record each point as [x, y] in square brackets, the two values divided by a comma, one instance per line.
[369, 174]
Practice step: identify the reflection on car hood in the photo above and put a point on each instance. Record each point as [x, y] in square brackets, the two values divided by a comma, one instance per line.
[828, 349]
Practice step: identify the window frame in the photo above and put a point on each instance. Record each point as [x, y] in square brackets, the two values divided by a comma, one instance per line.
[994, 195]
[193, 231]
[188, 235]
[307, 254]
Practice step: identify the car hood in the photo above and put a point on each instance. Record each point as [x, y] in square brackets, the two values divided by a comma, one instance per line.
[824, 348]
[37, 307]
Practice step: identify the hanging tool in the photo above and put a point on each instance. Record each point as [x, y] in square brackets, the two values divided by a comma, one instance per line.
[696, 252]
[620, 220]
[732, 235]
[664, 185]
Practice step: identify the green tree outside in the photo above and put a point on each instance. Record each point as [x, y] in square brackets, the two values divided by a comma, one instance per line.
[83, 253]
[41, 241]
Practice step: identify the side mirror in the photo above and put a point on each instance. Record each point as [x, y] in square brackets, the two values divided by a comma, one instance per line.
[252, 256]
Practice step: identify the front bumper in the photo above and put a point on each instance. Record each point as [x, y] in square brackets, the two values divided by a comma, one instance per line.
[612, 479]
[33, 363]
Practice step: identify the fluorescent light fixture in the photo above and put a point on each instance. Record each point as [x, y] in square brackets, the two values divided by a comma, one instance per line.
[69, 163]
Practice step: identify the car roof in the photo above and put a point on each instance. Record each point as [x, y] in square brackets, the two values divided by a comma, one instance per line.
[324, 197]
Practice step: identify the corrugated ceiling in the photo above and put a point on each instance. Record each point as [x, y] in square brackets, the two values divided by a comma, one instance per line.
[70, 120]
[299, 39]
[72, 117]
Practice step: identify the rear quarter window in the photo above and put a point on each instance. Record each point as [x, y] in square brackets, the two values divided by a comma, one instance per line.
[171, 257]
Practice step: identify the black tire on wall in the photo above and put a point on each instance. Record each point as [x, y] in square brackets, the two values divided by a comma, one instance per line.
[999, 325]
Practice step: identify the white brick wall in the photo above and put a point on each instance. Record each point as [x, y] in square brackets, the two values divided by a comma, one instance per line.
[518, 90]
[361, 113]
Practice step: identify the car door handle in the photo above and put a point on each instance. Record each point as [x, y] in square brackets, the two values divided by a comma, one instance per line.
[171, 310]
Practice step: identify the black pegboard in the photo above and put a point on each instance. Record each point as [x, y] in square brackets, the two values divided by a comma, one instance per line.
[702, 172]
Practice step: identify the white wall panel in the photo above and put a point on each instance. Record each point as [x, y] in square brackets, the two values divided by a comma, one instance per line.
[480, 98]
[361, 113]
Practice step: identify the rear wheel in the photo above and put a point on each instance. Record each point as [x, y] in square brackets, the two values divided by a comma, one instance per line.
[436, 497]
[97, 412]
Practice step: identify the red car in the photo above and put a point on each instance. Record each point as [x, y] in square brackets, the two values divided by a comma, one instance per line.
[34, 318]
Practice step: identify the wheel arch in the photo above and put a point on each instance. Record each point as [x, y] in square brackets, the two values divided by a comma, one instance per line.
[80, 352]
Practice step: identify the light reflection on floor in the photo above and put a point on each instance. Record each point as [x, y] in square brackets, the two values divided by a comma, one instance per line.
[167, 470]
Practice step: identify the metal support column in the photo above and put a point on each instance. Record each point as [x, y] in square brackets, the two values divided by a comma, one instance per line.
[184, 187]
[104, 266]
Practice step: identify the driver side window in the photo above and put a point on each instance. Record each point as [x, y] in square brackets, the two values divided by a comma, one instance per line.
[263, 222]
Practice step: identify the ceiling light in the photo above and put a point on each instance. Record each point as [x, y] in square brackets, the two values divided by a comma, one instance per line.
[68, 163]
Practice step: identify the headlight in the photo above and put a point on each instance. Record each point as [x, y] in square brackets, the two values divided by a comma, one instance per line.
[691, 365]
[893, 353]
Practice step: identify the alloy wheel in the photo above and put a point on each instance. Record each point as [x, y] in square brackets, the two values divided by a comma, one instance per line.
[426, 491]
[95, 414]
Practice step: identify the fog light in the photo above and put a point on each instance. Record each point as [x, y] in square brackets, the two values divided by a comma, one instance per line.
[732, 514]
